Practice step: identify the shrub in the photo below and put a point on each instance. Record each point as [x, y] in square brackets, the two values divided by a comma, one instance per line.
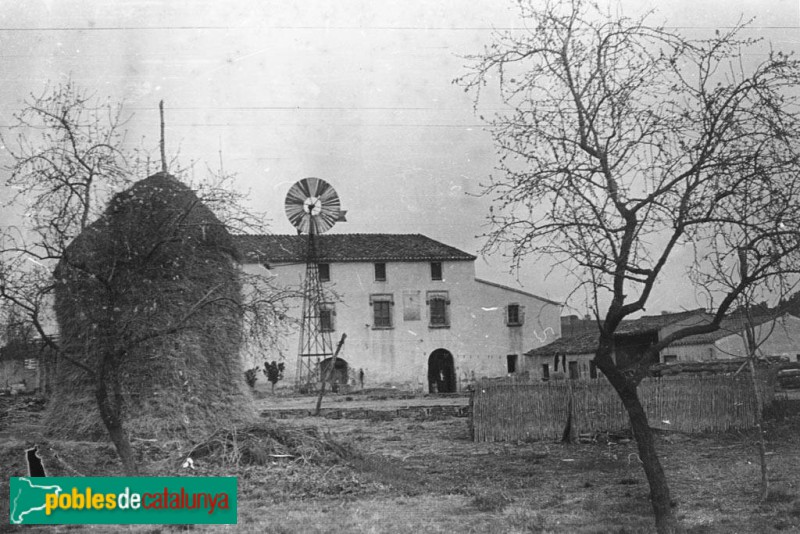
[251, 377]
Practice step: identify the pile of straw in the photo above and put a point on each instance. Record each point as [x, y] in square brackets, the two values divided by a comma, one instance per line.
[151, 288]
[266, 443]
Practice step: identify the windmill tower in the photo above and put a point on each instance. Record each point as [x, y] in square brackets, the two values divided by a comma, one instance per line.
[312, 207]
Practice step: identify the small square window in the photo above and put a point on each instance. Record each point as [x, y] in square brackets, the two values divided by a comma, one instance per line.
[31, 364]
[381, 310]
[324, 270]
[380, 272]
[515, 315]
[436, 270]
[670, 358]
[326, 315]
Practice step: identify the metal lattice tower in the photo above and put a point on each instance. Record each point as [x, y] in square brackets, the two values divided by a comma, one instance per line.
[312, 206]
[315, 344]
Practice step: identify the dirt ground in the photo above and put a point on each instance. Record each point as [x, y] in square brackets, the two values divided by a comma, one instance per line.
[368, 399]
[424, 474]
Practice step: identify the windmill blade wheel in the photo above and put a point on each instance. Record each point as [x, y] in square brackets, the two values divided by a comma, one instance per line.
[312, 206]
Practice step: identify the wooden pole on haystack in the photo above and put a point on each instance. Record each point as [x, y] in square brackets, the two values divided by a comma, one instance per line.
[162, 144]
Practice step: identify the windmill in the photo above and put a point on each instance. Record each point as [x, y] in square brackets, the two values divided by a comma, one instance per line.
[312, 206]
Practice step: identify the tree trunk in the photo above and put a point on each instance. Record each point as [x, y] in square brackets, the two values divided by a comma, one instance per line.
[666, 522]
[111, 414]
[762, 448]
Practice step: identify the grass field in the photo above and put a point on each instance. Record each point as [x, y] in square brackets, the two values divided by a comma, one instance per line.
[398, 474]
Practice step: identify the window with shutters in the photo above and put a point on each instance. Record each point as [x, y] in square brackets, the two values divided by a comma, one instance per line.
[515, 315]
[380, 272]
[436, 270]
[327, 312]
[381, 310]
[438, 309]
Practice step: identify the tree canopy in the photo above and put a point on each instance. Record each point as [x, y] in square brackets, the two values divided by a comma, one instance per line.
[623, 141]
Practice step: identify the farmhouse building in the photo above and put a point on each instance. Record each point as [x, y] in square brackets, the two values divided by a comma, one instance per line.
[414, 313]
[572, 355]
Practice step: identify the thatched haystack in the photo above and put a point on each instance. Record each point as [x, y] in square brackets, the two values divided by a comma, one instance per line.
[154, 283]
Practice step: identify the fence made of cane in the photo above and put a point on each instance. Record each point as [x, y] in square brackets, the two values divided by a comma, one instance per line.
[539, 411]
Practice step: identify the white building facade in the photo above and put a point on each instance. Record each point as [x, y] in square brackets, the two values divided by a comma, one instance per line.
[415, 315]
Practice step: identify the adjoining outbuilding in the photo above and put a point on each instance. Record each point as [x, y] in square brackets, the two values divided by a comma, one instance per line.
[777, 337]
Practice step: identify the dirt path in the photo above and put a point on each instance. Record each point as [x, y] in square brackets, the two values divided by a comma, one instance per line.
[358, 402]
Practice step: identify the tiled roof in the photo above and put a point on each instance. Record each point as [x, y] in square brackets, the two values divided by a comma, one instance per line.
[347, 247]
[731, 325]
[586, 342]
[651, 323]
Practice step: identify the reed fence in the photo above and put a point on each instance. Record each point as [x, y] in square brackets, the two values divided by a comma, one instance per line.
[517, 411]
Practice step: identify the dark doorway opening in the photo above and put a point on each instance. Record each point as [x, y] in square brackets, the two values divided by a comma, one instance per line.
[511, 361]
[441, 372]
[338, 376]
[574, 372]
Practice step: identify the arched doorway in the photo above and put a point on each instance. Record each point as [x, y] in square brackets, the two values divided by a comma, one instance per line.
[441, 372]
[338, 376]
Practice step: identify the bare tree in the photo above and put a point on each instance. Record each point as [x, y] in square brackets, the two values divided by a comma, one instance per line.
[624, 142]
[68, 162]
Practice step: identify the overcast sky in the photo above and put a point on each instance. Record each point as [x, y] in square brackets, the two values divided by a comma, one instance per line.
[357, 92]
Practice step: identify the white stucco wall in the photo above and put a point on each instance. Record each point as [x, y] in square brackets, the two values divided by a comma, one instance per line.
[689, 353]
[583, 361]
[477, 337]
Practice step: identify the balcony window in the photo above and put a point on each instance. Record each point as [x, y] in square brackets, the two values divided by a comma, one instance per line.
[381, 311]
[438, 309]
[327, 312]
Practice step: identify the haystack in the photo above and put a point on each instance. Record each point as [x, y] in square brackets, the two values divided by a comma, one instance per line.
[155, 280]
